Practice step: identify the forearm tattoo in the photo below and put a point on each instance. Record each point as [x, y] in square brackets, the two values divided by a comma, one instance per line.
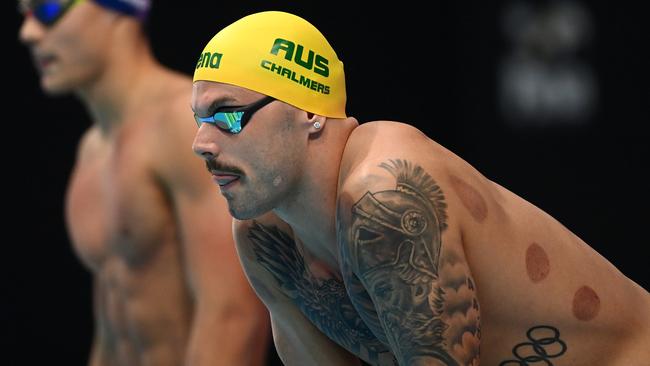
[394, 248]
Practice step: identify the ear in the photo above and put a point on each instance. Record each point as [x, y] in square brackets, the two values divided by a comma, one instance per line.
[315, 122]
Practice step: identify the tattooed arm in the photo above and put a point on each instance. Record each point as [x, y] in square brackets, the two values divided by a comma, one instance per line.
[276, 271]
[404, 265]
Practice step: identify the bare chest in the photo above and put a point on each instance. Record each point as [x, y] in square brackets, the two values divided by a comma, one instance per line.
[322, 296]
[115, 206]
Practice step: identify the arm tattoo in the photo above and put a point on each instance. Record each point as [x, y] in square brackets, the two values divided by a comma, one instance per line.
[394, 251]
[543, 344]
[323, 301]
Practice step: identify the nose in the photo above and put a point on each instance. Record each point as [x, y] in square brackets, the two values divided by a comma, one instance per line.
[205, 142]
[31, 31]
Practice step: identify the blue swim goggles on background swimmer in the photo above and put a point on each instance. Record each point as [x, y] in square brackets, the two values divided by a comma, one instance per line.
[49, 11]
[233, 119]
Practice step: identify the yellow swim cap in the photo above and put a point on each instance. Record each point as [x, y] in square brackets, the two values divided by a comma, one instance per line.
[281, 55]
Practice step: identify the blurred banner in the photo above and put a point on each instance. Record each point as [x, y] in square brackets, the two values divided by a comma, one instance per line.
[545, 75]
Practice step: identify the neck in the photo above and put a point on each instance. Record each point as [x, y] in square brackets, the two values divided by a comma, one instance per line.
[121, 85]
[311, 212]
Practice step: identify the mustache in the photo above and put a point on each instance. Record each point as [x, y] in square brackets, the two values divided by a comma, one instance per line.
[213, 165]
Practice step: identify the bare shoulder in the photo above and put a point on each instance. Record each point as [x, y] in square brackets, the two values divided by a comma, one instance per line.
[393, 169]
[399, 131]
[172, 129]
[166, 111]
[377, 152]
[377, 141]
[90, 144]
[174, 100]
[387, 134]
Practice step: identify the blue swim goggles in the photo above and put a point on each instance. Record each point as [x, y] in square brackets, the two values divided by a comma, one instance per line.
[233, 119]
[48, 12]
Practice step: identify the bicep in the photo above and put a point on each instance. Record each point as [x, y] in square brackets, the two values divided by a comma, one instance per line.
[403, 245]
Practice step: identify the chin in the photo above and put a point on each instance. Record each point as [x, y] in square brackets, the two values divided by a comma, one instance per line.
[55, 92]
[241, 214]
[244, 212]
[52, 88]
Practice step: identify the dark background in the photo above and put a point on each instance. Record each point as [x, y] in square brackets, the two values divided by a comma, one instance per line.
[435, 69]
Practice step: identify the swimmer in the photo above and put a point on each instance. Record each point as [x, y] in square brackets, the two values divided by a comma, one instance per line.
[373, 243]
[140, 211]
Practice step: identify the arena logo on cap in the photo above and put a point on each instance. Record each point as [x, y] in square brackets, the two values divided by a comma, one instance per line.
[211, 60]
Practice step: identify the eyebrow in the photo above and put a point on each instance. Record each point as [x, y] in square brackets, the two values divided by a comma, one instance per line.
[219, 103]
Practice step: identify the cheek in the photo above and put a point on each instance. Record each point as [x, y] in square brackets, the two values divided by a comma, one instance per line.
[84, 50]
[73, 58]
[90, 57]
[274, 153]
[275, 156]
[260, 165]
